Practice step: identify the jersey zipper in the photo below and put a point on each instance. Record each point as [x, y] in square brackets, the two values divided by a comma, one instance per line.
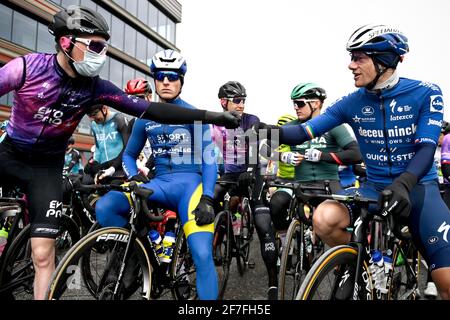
[385, 133]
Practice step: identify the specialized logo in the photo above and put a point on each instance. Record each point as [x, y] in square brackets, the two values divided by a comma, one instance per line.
[436, 103]
[444, 229]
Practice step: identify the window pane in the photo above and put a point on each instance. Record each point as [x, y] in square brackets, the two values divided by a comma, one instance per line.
[67, 3]
[116, 71]
[117, 32]
[104, 74]
[141, 48]
[24, 31]
[131, 6]
[45, 41]
[120, 3]
[162, 24]
[5, 22]
[152, 17]
[128, 74]
[171, 31]
[151, 50]
[143, 11]
[89, 4]
[130, 40]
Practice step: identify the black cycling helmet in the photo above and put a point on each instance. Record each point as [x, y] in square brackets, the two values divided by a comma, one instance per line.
[94, 109]
[232, 89]
[77, 20]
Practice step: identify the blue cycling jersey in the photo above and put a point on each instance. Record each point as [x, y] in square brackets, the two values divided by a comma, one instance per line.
[108, 137]
[176, 148]
[387, 125]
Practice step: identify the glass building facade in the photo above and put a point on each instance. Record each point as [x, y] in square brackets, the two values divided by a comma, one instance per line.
[139, 29]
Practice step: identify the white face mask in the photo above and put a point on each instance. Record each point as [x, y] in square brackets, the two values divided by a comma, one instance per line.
[91, 65]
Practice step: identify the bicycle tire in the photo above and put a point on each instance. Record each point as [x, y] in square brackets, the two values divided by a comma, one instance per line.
[404, 284]
[17, 272]
[244, 239]
[222, 254]
[182, 271]
[293, 262]
[336, 260]
[67, 278]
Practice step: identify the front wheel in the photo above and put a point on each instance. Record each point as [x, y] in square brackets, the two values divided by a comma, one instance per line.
[68, 282]
[332, 277]
[222, 254]
[243, 240]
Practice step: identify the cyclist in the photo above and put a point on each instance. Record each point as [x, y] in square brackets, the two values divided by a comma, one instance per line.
[3, 126]
[185, 172]
[72, 159]
[52, 94]
[111, 132]
[240, 167]
[397, 122]
[314, 161]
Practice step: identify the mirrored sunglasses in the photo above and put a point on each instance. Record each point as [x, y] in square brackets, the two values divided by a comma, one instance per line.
[301, 103]
[96, 46]
[171, 75]
[236, 100]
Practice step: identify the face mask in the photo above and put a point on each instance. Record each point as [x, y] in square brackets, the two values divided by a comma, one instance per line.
[91, 65]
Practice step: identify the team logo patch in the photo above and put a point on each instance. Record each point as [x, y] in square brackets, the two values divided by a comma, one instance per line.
[436, 103]
[367, 111]
[433, 240]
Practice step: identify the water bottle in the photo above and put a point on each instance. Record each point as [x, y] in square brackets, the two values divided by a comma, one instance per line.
[168, 243]
[156, 239]
[377, 271]
[237, 221]
[3, 239]
[308, 240]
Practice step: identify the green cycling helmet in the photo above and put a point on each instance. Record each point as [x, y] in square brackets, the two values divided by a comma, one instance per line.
[308, 90]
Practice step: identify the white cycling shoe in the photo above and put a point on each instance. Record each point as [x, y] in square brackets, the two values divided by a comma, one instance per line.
[430, 291]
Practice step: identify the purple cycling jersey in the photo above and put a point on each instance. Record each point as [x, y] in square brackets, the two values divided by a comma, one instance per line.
[233, 145]
[48, 104]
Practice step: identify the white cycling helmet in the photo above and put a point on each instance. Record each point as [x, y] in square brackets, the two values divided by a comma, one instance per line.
[168, 60]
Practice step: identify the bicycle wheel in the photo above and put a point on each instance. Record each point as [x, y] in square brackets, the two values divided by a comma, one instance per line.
[67, 281]
[331, 277]
[17, 274]
[222, 249]
[244, 238]
[182, 271]
[405, 276]
[293, 265]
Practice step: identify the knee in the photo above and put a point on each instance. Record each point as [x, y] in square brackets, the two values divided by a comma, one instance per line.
[43, 255]
[327, 217]
[279, 205]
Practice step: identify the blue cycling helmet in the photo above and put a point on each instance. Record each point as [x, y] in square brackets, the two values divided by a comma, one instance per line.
[386, 45]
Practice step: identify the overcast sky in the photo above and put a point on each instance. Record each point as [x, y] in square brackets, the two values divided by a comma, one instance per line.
[270, 46]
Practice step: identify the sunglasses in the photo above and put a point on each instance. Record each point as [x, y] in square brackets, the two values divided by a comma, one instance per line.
[301, 103]
[96, 46]
[171, 75]
[236, 100]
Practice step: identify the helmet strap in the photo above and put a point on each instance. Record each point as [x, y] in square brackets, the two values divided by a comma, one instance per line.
[380, 71]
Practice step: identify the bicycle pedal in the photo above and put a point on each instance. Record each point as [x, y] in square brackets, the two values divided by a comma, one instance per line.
[251, 263]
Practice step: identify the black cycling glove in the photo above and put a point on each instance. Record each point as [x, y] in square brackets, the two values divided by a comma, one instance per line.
[204, 213]
[229, 120]
[139, 178]
[400, 205]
